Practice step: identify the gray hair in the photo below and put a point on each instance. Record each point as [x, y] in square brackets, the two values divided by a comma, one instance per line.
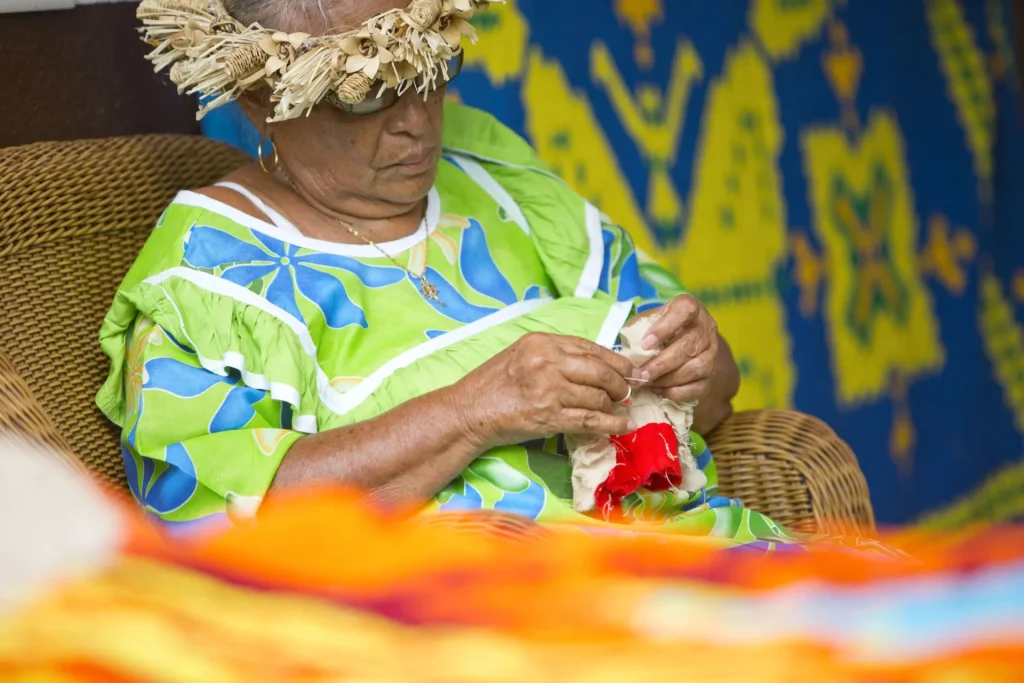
[283, 15]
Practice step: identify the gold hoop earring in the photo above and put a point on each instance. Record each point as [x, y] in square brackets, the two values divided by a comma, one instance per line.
[260, 155]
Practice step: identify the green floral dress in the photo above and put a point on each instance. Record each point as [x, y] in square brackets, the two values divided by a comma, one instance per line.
[231, 337]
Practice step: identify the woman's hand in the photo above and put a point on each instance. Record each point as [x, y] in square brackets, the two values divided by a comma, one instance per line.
[542, 385]
[683, 371]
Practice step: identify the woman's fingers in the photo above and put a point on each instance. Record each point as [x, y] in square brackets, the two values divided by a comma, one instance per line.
[588, 349]
[591, 372]
[691, 345]
[689, 393]
[579, 421]
[677, 315]
[697, 368]
[587, 398]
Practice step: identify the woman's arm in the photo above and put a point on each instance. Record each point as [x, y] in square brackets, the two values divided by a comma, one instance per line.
[542, 385]
[402, 457]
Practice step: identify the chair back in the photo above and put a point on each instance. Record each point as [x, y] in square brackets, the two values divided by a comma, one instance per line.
[73, 216]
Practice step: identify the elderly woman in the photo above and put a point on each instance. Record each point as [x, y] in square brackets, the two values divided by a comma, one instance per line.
[399, 297]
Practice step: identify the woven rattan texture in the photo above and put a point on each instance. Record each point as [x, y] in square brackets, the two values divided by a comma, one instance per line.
[22, 418]
[73, 216]
[795, 469]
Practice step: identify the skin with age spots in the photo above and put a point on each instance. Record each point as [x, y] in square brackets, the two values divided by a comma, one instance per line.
[374, 172]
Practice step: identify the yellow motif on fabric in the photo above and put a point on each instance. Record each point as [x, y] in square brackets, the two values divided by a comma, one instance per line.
[504, 37]
[737, 209]
[343, 384]
[566, 134]
[146, 333]
[1018, 286]
[784, 26]
[654, 120]
[843, 65]
[808, 273]
[903, 434]
[268, 440]
[445, 243]
[1004, 61]
[970, 87]
[999, 500]
[878, 313]
[947, 254]
[639, 15]
[1003, 337]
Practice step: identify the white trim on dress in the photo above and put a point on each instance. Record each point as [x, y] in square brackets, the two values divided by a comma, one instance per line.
[590, 278]
[613, 324]
[492, 187]
[392, 248]
[359, 393]
[275, 216]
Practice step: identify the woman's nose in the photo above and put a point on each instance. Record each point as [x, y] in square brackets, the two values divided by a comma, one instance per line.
[410, 115]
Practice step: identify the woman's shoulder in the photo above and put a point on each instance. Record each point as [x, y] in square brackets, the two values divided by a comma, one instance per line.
[213, 208]
[224, 193]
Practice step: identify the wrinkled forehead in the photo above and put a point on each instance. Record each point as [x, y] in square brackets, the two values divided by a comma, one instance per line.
[352, 13]
[315, 17]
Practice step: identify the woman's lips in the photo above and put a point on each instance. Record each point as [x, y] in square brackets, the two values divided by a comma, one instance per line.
[415, 163]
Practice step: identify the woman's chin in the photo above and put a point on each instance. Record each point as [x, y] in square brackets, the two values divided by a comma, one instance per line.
[399, 182]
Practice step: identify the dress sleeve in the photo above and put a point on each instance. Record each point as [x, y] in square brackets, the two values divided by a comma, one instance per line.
[198, 448]
[627, 274]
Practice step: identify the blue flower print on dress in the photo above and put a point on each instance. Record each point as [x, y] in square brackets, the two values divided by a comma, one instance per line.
[244, 263]
[520, 494]
[165, 491]
[450, 303]
[481, 273]
[632, 284]
[460, 496]
[537, 292]
[166, 488]
[187, 381]
[605, 282]
[478, 266]
[526, 503]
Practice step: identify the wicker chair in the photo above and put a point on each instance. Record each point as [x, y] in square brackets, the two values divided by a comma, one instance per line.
[73, 215]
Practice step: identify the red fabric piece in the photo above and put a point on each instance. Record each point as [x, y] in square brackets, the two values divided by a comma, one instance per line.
[647, 458]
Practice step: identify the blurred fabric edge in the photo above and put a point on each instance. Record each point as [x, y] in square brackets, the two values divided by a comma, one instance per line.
[57, 524]
[324, 587]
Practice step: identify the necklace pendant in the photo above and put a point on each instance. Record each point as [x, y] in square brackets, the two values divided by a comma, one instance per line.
[429, 290]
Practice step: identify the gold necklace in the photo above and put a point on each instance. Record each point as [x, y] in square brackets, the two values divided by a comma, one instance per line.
[428, 288]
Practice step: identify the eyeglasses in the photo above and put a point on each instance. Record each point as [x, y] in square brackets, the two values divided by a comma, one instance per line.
[389, 98]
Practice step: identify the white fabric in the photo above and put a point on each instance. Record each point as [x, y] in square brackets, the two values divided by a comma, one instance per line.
[57, 524]
[279, 221]
[594, 458]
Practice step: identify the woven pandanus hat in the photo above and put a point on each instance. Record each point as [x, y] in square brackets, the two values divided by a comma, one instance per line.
[211, 54]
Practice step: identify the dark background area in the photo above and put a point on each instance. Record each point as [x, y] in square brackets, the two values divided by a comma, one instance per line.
[80, 73]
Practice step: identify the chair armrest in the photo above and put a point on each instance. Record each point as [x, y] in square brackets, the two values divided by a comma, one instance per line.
[795, 469]
[21, 416]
